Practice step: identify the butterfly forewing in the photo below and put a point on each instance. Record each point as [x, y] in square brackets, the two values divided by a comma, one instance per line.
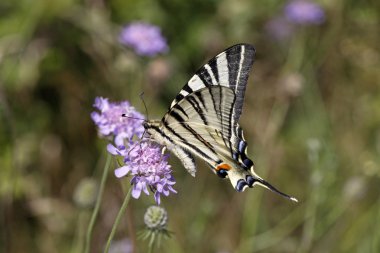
[229, 69]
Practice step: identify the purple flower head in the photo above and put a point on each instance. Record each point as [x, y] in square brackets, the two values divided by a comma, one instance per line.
[304, 12]
[110, 121]
[279, 28]
[148, 167]
[144, 38]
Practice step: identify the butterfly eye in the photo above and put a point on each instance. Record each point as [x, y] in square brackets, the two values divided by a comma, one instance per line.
[222, 173]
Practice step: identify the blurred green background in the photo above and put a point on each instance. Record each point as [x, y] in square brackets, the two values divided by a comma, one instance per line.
[311, 117]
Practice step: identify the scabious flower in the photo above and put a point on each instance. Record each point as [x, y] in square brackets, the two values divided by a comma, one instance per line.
[143, 161]
[148, 167]
[304, 12]
[296, 13]
[110, 121]
[279, 28]
[144, 38]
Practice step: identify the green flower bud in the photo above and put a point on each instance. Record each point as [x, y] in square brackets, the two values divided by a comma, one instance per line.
[156, 218]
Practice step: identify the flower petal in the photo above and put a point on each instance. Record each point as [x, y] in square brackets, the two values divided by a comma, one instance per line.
[95, 117]
[145, 189]
[122, 171]
[136, 191]
[112, 149]
[159, 187]
[120, 138]
[157, 197]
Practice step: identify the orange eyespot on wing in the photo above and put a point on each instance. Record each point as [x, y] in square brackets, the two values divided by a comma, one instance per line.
[224, 166]
[221, 170]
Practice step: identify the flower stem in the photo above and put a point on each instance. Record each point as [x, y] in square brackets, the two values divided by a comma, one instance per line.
[151, 242]
[97, 205]
[118, 219]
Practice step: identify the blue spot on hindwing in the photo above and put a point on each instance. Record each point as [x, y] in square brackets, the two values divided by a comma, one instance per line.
[242, 146]
[250, 180]
[222, 173]
[247, 163]
[240, 185]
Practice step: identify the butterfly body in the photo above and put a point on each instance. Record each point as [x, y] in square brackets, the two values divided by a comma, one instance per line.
[202, 121]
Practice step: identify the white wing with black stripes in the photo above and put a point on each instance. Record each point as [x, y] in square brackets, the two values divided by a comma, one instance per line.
[202, 121]
[228, 69]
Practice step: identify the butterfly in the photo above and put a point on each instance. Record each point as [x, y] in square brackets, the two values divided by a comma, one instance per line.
[202, 121]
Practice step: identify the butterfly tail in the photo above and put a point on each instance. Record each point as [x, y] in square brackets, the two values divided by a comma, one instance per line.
[265, 184]
[242, 179]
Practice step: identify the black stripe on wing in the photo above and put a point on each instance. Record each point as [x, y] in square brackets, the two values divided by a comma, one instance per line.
[214, 68]
[161, 137]
[183, 141]
[234, 56]
[240, 61]
[206, 75]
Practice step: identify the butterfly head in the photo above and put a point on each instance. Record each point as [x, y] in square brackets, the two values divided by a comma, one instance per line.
[153, 128]
[150, 125]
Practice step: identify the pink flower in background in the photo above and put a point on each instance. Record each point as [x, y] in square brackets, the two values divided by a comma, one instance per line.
[279, 28]
[144, 38]
[295, 14]
[304, 12]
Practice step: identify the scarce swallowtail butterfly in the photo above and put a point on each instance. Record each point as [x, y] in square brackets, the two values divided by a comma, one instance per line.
[202, 121]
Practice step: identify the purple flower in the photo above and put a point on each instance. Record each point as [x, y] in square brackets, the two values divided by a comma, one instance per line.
[279, 28]
[110, 121]
[144, 161]
[304, 12]
[144, 38]
[148, 167]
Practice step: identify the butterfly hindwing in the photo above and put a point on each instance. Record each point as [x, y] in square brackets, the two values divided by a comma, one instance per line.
[205, 116]
[202, 123]
[186, 158]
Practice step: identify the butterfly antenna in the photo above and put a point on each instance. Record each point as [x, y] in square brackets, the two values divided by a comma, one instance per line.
[129, 117]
